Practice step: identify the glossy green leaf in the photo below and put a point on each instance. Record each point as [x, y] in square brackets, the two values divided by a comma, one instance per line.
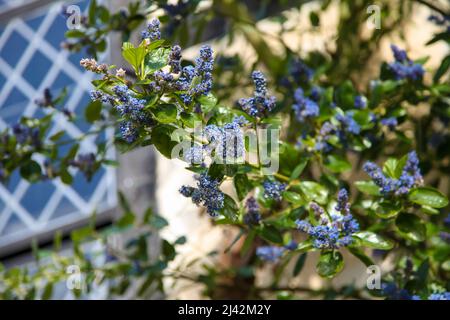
[373, 240]
[166, 113]
[31, 171]
[368, 187]
[271, 234]
[411, 227]
[337, 164]
[330, 263]
[299, 169]
[93, 111]
[314, 191]
[242, 185]
[428, 197]
[387, 209]
[299, 264]
[292, 197]
[156, 60]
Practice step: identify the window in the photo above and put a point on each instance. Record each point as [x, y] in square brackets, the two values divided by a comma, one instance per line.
[30, 61]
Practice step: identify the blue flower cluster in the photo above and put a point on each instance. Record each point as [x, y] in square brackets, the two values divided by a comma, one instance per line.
[409, 178]
[253, 215]
[394, 293]
[97, 95]
[270, 253]
[346, 126]
[391, 291]
[445, 236]
[442, 21]
[360, 102]
[391, 122]
[201, 73]
[207, 194]
[24, 134]
[325, 134]
[195, 154]
[273, 190]
[301, 72]
[175, 59]
[403, 67]
[226, 142]
[261, 103]
[86, 163]
[132, 110]
[447, 221]
[439, 296]
[334, 231]
[348, 123]
[304, 107]
[316, 93]
[153, 30]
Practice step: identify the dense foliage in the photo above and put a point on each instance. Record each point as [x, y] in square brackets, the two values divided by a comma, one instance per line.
[359, 168]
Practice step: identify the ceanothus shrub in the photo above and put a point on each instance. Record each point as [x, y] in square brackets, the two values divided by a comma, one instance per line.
[311, 203]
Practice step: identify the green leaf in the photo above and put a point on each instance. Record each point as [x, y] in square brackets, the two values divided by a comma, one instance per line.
[443, 68]
[91, 12]
[299, 169]
[271, 234]
[81, 234]
[31, 171]
[368, 187]
[314, 18]
[93, 111]
[248, 242]
[292, 197]
[428, 197]
[387, 209]
[373, 240]
[361, 256]
[207, 102]
[429, 210]
[156, 60]
[330, 263]
[57, 136]
[74, 33]
[66, 177]
[124, 202]
[345, 95]
[134, 56]
[242, 185]
[154, 220]
[126, 220]
[181, 240]
[230, 209]
[411, 227]
[72, 152]
[48, 291]
[314, 191]
[166, 113]
[337, 164]
[299, 264]
[390, 167]
[161, 139]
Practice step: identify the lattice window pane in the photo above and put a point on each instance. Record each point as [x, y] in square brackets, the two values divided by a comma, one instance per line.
[30, 61]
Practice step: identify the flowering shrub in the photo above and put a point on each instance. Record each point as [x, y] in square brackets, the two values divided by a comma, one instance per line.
[311, 203]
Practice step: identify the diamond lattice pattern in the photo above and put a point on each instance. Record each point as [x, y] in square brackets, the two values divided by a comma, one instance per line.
[30, 61]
